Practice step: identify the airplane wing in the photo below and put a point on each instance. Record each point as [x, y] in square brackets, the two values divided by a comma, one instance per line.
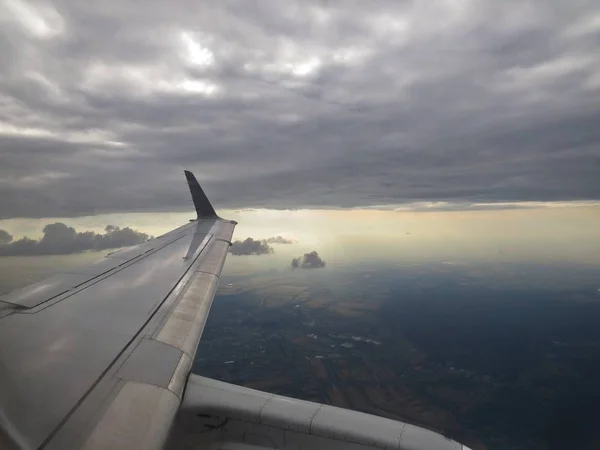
[100, 358]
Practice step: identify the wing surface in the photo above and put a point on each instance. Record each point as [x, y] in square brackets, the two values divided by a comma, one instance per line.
[98, 357]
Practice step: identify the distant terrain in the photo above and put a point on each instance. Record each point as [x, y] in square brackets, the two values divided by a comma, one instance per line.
[492, 357]
[496, 355]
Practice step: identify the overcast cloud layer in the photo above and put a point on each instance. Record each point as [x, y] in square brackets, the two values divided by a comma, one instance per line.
[296, 104]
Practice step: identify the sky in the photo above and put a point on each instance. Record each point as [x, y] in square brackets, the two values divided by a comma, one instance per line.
[423, 141]
[296, 104]
[539, 247]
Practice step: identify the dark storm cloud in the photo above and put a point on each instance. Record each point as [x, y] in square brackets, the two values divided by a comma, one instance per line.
[5, 237]
[60, 239]
[302, 104]
[250, 246]
[310, 260]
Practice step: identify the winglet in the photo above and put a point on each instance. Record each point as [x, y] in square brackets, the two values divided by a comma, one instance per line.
[203, 206]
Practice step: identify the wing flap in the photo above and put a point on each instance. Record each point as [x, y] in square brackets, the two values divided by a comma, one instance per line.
[185, 324]
[138, 418]
[215, 258]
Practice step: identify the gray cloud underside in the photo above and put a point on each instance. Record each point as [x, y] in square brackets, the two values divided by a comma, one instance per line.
[302, 104]
[310, 260]
[250, 246]
[279, 240]
[60, 239]
[5, 237]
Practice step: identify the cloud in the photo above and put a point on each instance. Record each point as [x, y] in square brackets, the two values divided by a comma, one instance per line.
[369, 103]
[250, 246]
[61, 239]
[279, 240]
[463, 206]
[5, 237]
[310, 260]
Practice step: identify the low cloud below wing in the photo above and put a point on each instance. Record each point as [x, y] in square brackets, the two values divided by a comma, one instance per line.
[279, 240]
[5, 237]
[61, 239]
[250, 246]
[310, 260]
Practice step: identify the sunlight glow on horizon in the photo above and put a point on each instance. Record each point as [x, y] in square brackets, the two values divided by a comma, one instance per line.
[545, 235]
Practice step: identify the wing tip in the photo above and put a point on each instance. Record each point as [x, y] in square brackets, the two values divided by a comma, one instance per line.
[201, 202]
